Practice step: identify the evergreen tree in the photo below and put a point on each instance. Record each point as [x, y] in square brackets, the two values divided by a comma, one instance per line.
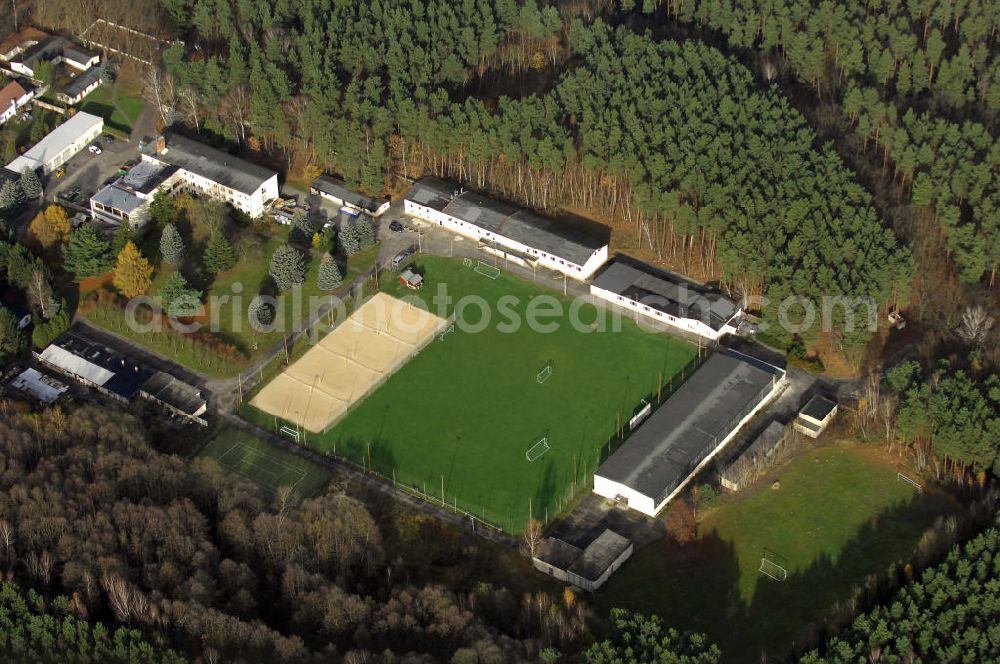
[637, 638]
[171, 244]
[329, 273]
[288, 268]
[30, 184]
[177, 297]
[260, 311]
[161, 208]
[123, 236]
[219, 255]
[11, 337]
[11, 195]
[86, 254]
[133, 272]
[365, 231]
[348, 240]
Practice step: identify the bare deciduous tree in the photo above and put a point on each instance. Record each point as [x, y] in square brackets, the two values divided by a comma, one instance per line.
[532, 537]
[159, 90]
[976, 323]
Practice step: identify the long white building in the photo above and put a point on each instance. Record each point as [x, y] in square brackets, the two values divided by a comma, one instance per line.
[60, 144]
[516, 234]
[682, 436]
[206, 171]
[667, 298]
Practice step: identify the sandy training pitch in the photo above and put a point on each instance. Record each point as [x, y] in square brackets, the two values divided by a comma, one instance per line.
[349, 362]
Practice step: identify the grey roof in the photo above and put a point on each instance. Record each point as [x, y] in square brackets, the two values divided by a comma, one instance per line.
[185, 398]
[665, 291]
[599, 555]
[670, 444]
[146, 176]
[590, 562]
[47, 49]
[96, 363]
[78, 54]
[115, 197]
[547, 235]
[56, 141]
[216, 165]
[761, 446]
[336, 188]
[557, 553]
[818, 407]
[82, 82]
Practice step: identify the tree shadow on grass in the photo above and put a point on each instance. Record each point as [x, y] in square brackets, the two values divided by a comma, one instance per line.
[697, 587]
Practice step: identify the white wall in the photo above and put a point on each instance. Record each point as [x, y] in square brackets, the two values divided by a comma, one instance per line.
[642, 503]
[546, 260]
[688, 324]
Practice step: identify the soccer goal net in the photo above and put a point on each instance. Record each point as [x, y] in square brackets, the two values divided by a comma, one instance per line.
[487, 270]
[290, 432]
[450, 328]
[773, 570]
[537, 450]
[544, 374]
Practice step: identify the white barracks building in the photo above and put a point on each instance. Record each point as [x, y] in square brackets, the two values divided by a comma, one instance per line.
[210, 172]
[510, 232]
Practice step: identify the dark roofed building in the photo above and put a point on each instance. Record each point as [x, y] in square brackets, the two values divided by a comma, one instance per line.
[79, 57]
[78, 88]
[687, 430]
[95, 365]
[175, 395]
[666, 297]
[217, 174]
[816, 415]
[576, 250]
[586, 568]
[336, 192]
[763, 452]
[49, 49]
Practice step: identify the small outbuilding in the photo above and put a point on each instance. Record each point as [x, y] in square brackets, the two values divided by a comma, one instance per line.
[761, 455]
[588, 568]
[36, 384]
[816, 416]
[411, 279]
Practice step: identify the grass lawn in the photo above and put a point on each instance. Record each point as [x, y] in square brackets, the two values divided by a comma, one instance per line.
[265, 464]
[840, 514]
[466, 409]
[232, 292]
[119, 104]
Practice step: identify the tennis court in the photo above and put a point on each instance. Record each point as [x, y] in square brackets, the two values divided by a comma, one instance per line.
[265, 464]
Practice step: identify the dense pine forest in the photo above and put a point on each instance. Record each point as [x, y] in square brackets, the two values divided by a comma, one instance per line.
[785, 148]
[686, 151]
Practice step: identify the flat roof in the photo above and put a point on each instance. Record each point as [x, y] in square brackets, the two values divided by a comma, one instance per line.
[818, 407]
[56, 141]
[665, 291]
[80, 83]
[178, 394]
[599, 555]
[44, 388]
[533, 230]
[215, 165]
[336, 188]
[689, 425]
[96, 363]
[115, 197]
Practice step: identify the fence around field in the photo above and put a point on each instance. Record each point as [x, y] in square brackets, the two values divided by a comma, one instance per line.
[367, 462]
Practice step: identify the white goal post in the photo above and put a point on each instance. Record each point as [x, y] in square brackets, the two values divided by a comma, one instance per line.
[487, 270]
[450, 328]
[537, 450]
[292, 433]
[773, 570]
[909, 480]
[544, 374]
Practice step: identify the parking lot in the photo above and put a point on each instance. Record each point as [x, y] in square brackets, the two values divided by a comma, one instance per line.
[89, 172]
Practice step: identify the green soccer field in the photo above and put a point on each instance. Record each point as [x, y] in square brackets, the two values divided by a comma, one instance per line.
[265, 464]
[465, 411]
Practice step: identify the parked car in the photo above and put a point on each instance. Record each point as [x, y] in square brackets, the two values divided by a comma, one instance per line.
[95, 150]
[396, 227]
[108, 138]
